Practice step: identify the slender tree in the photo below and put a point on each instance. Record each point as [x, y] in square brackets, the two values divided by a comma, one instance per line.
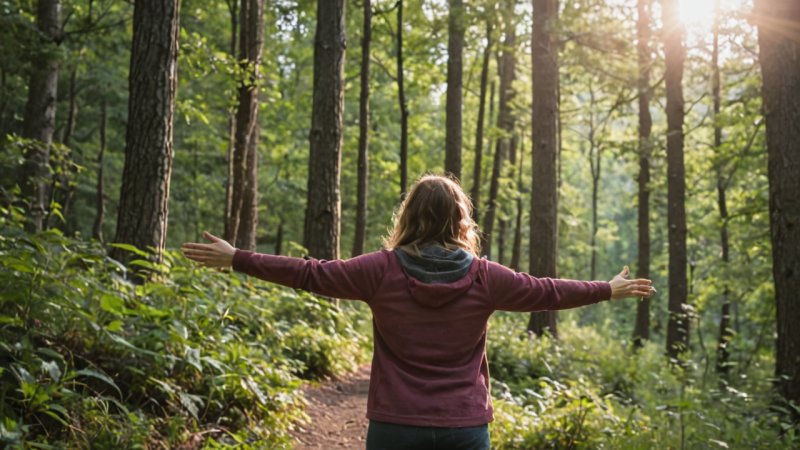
[725, 332]
[403, 103]
[100, 193]
[505, 122]
[516, 248]
[455, 50]
[475, 192]
[241, 221]
[641, 330]
[674, 55]
[363, 135]
[544, 148]
[40, 112]
[323, 208]
[778, 35]
[153, 79]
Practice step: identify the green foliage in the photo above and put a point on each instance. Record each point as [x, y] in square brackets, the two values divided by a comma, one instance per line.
[588, 390]
[88, 359]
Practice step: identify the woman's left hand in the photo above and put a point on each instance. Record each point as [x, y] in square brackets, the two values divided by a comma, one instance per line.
[622, 287]
[218, 253]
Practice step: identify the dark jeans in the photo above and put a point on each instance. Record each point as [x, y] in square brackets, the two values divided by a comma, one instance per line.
[389, 436]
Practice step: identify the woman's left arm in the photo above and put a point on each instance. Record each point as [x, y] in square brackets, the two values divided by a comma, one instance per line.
[356, 278]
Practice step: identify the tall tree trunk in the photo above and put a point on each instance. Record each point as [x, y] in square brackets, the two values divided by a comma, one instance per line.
[725, 331]
[242, 216]
[475, 192]
[323, 209]
[674, 55]
[778, 35]
[363, 135]
[100, 195]
[516, 249]
[403, 104]
[248, 222]
[72, 112]
[505, 122]
[641, 330]
[455, 50]
[144, 193]
[40, 113]
[233, 11]
[544, 147]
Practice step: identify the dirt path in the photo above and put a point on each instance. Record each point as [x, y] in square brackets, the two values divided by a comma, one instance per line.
[337, 410]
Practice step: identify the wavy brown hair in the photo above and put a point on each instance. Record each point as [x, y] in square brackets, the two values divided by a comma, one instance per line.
[435, 211]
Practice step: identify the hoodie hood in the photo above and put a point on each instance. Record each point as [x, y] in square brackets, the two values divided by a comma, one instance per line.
[438, 275]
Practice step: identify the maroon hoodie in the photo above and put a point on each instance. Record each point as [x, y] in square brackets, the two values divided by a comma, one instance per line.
[429, 364]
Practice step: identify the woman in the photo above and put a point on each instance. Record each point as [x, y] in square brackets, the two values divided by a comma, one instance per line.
[431, 297]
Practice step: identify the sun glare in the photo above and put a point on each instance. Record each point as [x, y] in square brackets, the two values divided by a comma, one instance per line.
[697, 13]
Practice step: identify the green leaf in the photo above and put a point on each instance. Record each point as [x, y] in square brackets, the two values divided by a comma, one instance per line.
[130, 248]
[115, 326]
[112, 304]
[99, 376]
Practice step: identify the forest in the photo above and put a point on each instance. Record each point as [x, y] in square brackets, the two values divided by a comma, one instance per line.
[589, 134]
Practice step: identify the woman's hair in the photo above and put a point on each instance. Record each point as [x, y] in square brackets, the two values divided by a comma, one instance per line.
[435, 211]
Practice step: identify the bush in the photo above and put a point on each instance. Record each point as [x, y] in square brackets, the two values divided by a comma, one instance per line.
[192, 357]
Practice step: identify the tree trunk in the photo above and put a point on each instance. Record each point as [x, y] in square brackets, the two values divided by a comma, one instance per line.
[40, 113]
[516, 249]
[233, 12]
[144, 193]
[363, 136]
[323, 209]
[505, 122]
[475, 192]
[455, 50]
[242, 216]
[725, 331]
[544, 147]
[778, 24]
[403, 104]
[674, 55]
[100, 196]
[63, 191]
[641, 330]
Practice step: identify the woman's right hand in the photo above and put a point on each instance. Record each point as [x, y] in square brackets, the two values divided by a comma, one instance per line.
[622, 287]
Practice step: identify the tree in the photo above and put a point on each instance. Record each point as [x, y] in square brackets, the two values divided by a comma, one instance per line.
[674, 55]
[363, 135]
[778, 23]
[505, 122]
[641, 330]
[100, 193]
[455, 50]
[401, 98]
[144, 194]
[323, 207]
[475, 192]
[40, 112]
[241, 220]
[544, 148]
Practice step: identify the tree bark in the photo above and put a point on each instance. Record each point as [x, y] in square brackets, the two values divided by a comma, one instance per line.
[144, 193]
[544, 147]
[674, 55]
[725, 331]
[641, 330]
[505, 122]
[475, 192]
[242, 216]
[100, 195]
[778, 24]
[40, 113]
[323, 210]
[455, 50]
[403, 104]
[516, 249]
[363, 136]
[233, 13]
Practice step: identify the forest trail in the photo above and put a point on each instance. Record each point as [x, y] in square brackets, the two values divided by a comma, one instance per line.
[337, 411]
